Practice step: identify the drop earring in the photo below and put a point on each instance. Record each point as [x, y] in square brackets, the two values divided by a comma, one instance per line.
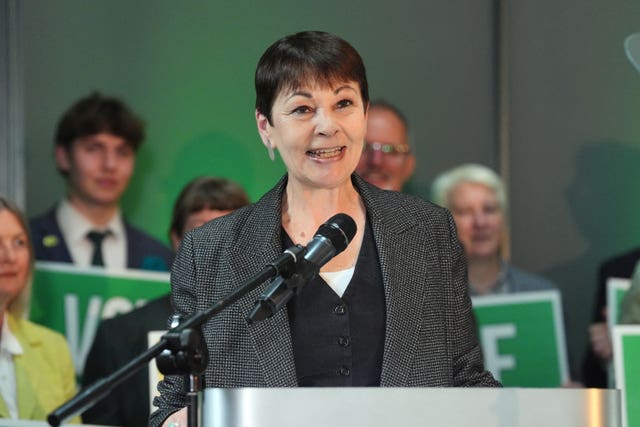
[272, 154]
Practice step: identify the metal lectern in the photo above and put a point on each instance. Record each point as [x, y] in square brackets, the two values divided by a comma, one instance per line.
[406, 407]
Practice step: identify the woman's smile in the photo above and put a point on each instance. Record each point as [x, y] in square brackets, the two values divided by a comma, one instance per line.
[326, 153]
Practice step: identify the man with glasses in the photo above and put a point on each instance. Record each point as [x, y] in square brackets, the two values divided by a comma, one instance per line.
[386, 161]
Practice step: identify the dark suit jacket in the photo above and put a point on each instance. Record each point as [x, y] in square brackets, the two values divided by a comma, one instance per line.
[143, 251]
[594, 371]
[118, 340]
[430, 338]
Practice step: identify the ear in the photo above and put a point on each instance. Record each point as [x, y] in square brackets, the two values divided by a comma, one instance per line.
[63, 161]
[264, 129]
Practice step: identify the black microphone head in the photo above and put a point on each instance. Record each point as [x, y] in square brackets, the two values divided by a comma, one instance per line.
[339, 229]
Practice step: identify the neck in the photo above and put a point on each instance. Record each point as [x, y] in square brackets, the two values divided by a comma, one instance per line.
[304, 210]
[483, 273]
[98, 215]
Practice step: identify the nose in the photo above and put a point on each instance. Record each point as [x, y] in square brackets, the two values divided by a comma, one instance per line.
[376, 157]
[325, 123]
[479, 218]
[6, 253]
[109, 159]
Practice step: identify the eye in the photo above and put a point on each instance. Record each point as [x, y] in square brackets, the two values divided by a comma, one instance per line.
[343, 103]
[302, 109]
[125, 151]
[491, 209]
[19, 242]
[92, 147]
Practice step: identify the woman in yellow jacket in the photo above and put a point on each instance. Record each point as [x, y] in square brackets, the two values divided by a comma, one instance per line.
[36, 370]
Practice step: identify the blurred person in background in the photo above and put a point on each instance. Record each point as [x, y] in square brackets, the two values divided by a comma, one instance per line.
[476, 196]
[387, 161]
[36, 369]
[96, 142]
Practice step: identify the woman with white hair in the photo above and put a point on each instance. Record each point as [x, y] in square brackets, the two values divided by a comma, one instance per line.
[476, 197]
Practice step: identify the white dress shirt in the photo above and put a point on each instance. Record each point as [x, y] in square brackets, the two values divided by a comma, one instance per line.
[74, 227]
[9, 347]
[338, 280]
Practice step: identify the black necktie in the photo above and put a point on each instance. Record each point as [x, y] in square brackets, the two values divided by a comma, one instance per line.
[96, 238]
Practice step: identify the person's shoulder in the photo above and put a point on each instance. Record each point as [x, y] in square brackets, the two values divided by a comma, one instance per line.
[143, 238]
[620, 265]
[527, 281]
[152, 315]
[44, 221]
[146, 252]
[396, 203]
[36, 334]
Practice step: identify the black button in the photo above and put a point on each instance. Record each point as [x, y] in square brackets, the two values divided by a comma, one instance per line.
[344, 371]
[344, 341]
[339, 309]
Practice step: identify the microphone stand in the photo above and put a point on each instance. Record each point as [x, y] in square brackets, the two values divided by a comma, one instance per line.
[185, 349]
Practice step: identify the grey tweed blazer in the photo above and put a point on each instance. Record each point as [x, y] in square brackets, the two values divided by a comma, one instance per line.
[430, 338]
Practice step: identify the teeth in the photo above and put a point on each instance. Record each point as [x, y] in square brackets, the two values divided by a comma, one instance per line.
[325, 153]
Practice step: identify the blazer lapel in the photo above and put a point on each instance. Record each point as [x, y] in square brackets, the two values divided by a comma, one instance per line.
[27, 375]
[259, 245]
[53, 245]
[396, 243]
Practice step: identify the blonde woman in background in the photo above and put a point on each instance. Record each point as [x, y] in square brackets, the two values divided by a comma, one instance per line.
[36, 370]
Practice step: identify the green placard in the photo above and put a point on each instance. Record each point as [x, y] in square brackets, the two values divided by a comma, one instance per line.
[617, 288]
[626, 354]
[522, 338]
[72, 300]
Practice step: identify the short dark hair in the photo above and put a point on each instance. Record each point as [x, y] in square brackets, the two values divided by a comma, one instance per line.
[306, 56]
[205, 192]
[97, 113]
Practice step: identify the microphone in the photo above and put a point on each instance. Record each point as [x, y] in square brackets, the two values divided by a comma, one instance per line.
[331, 238]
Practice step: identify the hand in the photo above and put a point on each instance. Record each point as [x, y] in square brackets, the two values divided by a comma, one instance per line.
[177, 419]
[572, 384]
[600, 341]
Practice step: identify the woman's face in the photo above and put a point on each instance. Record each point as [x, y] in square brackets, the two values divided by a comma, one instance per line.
[479, 219]
[319, 132]
[14, 258]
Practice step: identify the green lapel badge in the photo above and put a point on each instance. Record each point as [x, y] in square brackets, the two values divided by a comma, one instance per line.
[50, 241]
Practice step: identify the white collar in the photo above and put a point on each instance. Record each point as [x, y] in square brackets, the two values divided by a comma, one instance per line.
[75, 226]
[9, 342]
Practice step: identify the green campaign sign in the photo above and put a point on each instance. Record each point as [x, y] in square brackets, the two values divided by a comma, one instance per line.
[616, 290]
[522, 338]
[73, 300]
[626, 353]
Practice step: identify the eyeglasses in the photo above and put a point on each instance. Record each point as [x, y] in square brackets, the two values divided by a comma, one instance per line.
[390, 149]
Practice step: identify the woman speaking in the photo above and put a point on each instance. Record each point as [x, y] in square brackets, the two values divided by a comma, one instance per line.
[390, 310]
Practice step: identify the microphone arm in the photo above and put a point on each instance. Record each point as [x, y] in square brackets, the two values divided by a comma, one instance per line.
[185, 342]
[177, 340]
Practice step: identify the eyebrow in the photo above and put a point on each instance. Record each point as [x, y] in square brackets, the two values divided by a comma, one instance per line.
[308, 95]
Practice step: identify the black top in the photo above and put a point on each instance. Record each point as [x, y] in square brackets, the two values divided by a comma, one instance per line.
[337, 341]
